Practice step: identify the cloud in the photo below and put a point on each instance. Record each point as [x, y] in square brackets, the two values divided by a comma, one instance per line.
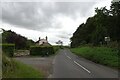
[57, 20]
[39, 16]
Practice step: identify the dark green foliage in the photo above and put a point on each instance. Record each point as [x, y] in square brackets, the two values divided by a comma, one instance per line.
[8, 49]
[115, 11]
[103, 23]
[14, 38]
[41, 50]
[7, 65]
[56, 48]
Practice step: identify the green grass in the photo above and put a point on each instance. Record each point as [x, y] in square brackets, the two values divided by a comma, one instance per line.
[16, 69]
[56, 48]
[102, 55]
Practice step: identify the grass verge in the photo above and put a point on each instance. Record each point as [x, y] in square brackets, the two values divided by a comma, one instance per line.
[16, 69]
[102, 55]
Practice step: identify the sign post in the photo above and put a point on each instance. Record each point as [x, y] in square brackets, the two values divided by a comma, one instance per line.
[107, 39]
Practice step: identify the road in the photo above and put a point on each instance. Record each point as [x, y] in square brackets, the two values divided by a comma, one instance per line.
[68, 65]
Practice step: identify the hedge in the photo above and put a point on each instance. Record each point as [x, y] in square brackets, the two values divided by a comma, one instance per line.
[56, 48]
[8, 49]
[41, 50]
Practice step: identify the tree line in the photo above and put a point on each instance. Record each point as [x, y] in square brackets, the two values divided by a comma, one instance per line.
[104, 23]
[20, 42]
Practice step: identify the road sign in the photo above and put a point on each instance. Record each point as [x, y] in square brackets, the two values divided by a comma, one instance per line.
[107, 39]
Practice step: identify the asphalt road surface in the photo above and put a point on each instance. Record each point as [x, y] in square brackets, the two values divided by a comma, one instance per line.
[68, 65]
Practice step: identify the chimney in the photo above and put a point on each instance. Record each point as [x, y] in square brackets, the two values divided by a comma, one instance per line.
[46, 38]
[39, 38]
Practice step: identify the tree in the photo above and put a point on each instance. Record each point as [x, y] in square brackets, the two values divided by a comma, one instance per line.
[19, 41]
[115, 12]
[59, 42]
[103, 23]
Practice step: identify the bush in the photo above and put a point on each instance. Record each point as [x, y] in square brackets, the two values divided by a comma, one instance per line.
[113, 44]
[41, 50]
[56, 48]
[8, 49]
[7, 65]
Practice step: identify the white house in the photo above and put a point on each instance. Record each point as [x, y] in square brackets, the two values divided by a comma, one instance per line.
[43, 42]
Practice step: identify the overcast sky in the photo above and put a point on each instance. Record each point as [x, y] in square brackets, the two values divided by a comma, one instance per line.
[55, 19]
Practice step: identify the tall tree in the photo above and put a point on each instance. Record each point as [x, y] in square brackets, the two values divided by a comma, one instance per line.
[115, 12]
[103, 23]
[19, 41]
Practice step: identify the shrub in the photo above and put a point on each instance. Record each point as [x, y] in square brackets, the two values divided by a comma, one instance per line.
[113, 44]
[8, 49]
[56, 48]
[41, 50]
[7, 64]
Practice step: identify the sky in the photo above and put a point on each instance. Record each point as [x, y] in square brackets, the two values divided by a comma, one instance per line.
[56, 19]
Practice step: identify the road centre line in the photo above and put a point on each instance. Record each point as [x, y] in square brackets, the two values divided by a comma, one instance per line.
[78, 64]
[82, 67]
[68, 57]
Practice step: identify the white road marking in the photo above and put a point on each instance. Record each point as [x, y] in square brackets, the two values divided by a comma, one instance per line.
[68, 57]
[78, 64]
[82, 67]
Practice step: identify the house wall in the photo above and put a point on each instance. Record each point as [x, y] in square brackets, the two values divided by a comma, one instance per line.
[43, 41]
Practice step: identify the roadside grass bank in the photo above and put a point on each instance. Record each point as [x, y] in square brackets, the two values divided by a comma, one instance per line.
[15, 69]
[56, 48]
[101, 55]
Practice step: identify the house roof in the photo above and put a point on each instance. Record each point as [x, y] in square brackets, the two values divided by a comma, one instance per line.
[37, 41]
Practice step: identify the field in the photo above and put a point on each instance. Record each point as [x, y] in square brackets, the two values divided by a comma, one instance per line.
[102, 55]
